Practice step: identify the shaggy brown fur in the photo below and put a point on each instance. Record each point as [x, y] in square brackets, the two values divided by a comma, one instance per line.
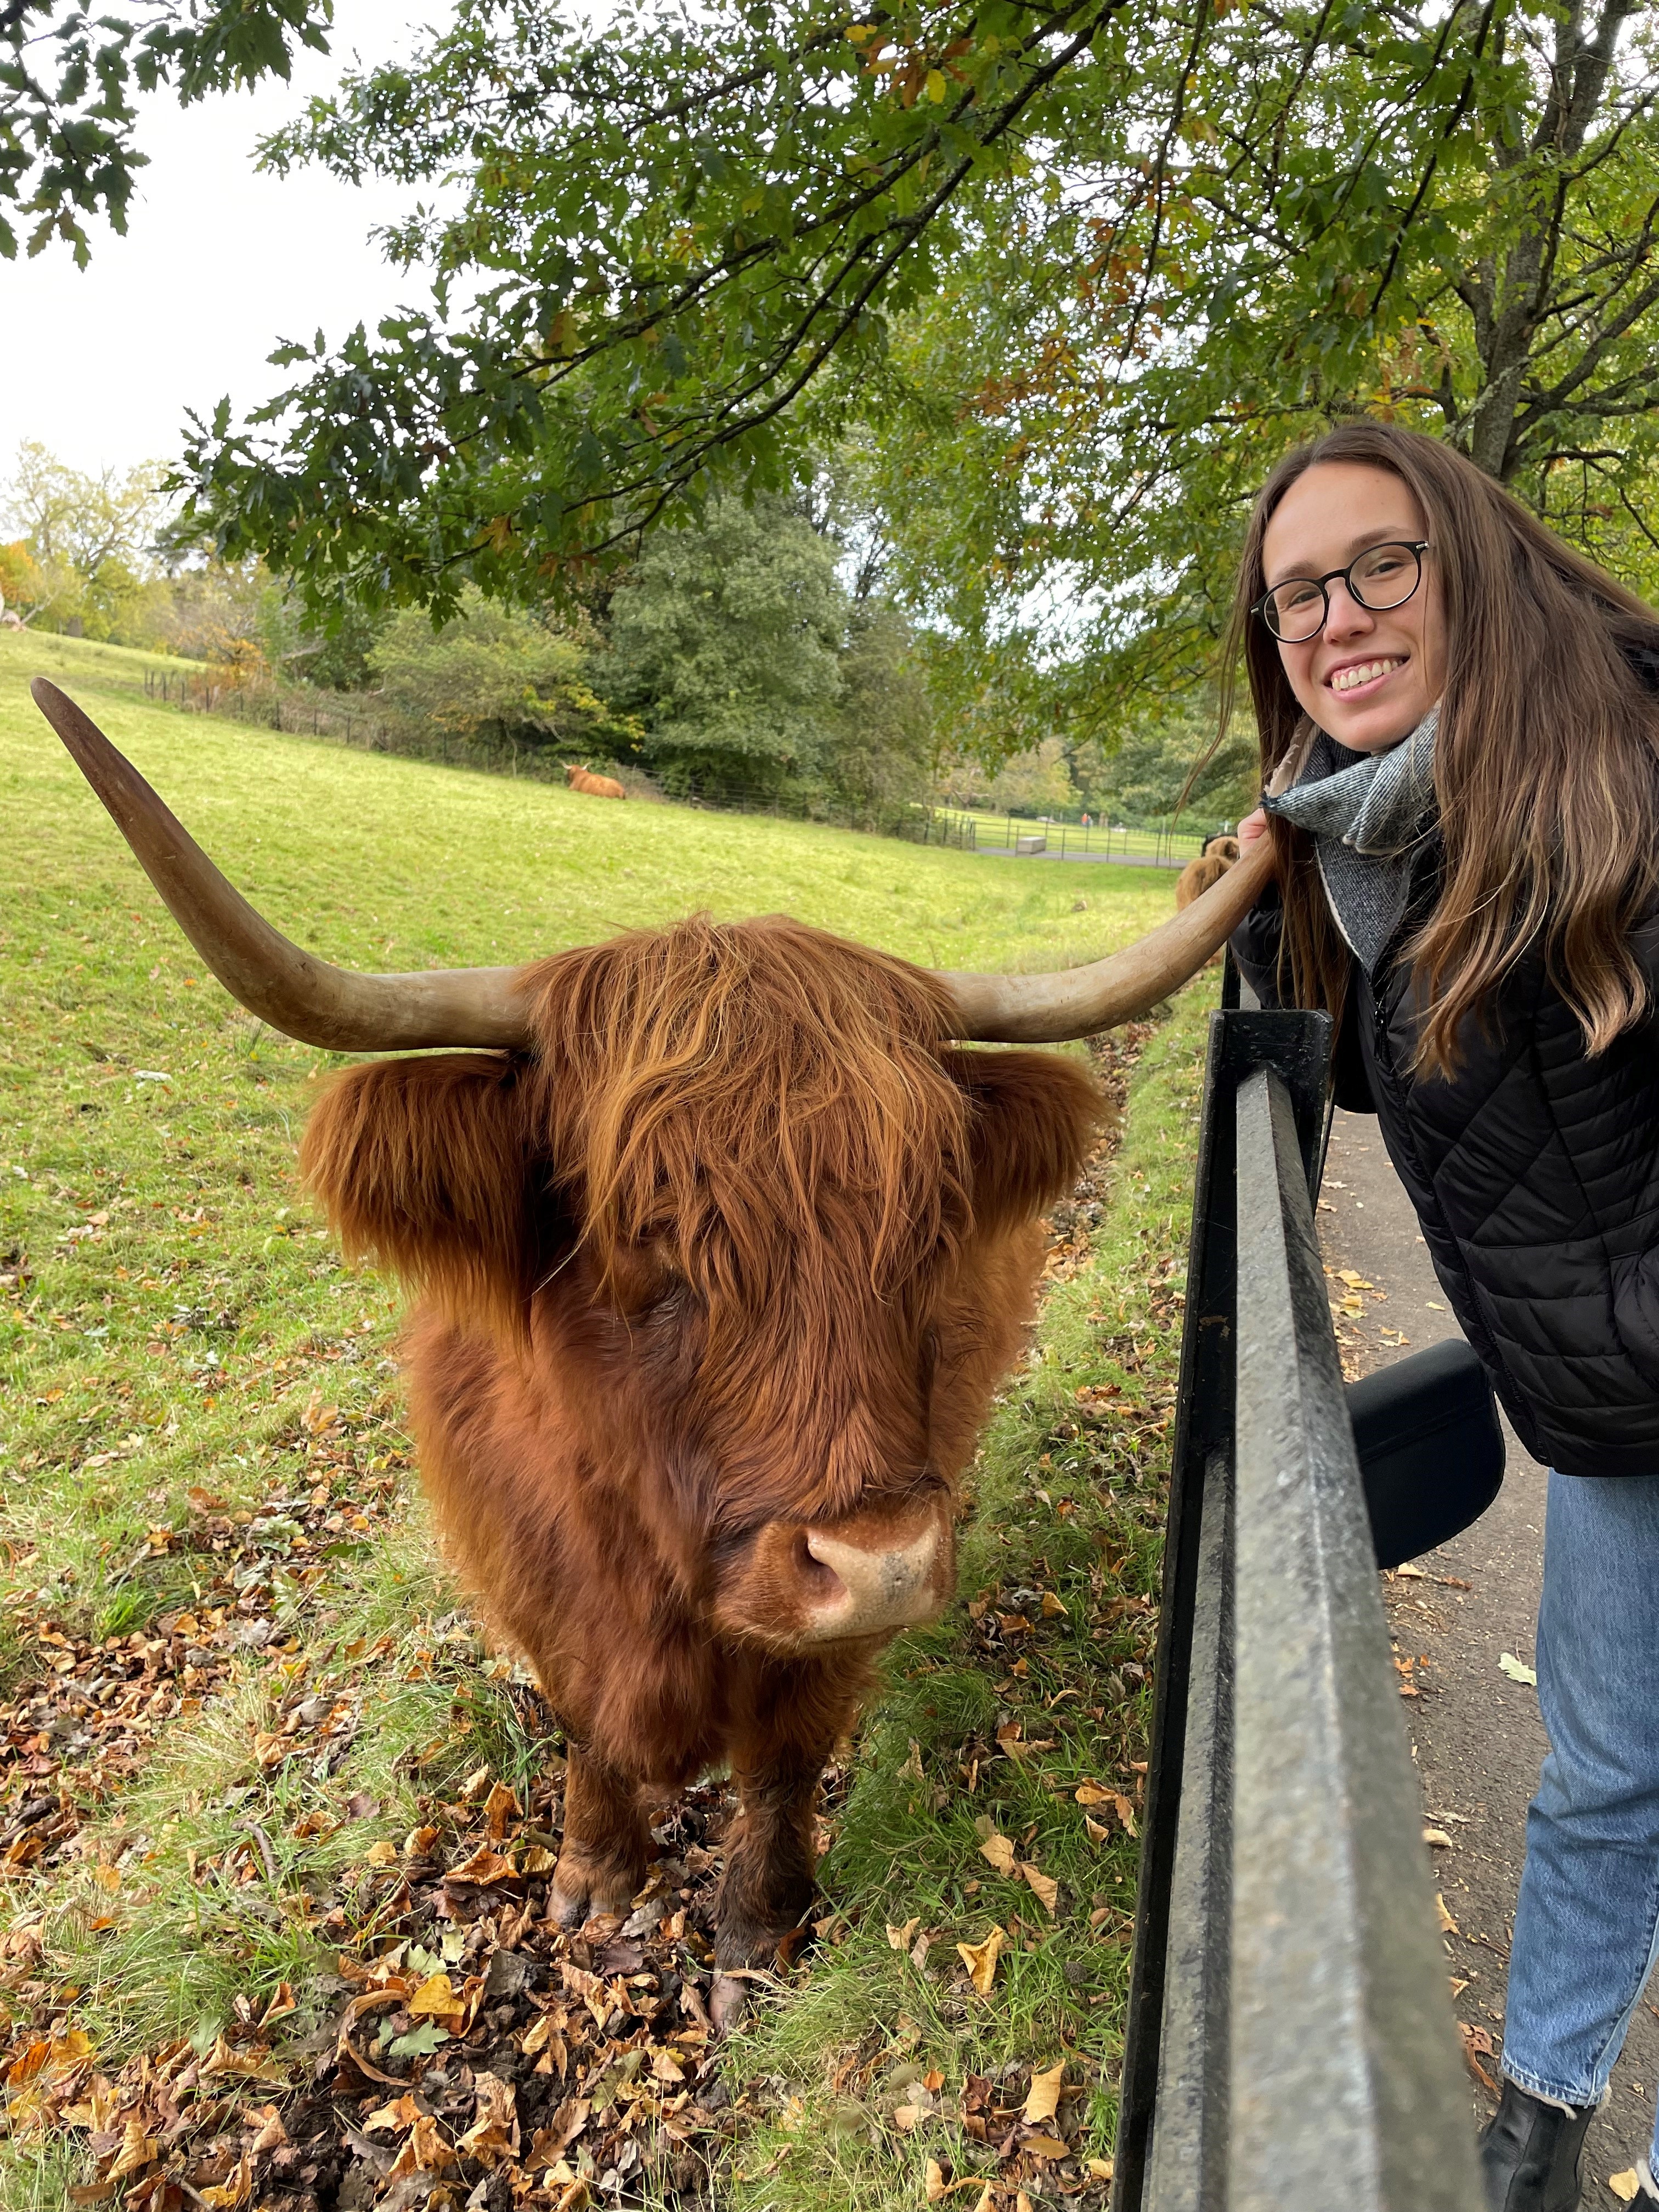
[741, 1249]
[597, 786]
[1218, 854]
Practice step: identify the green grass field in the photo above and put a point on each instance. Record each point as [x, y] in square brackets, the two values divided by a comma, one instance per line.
[233, 1675]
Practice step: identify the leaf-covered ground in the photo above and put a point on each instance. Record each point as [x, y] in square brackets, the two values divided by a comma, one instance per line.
[274, 1829]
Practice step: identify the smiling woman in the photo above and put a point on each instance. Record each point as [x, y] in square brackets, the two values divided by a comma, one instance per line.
[1460, 743]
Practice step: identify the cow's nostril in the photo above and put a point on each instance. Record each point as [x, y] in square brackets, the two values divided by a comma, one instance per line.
[822, 1581]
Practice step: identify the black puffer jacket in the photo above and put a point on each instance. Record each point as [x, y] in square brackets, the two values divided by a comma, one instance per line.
[1534, 1172]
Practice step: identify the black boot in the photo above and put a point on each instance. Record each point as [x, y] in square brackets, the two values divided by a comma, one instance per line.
[1532, 2154]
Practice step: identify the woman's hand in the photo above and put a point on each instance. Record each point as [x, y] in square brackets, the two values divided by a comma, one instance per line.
[1253, 826]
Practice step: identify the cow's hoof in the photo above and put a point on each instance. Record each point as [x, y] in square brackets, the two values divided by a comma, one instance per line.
[729, 2000]
[582, 1889]
[567, 1907]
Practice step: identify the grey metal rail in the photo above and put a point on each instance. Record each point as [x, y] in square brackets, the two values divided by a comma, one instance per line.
[1290, 2040]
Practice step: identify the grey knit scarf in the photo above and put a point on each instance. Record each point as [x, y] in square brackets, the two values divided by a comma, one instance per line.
[1367, 812]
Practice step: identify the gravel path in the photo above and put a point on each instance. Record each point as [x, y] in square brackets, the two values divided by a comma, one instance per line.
[1476, 1734]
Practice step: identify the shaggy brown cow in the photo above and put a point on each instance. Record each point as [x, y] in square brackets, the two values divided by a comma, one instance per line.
[1216, 856]
[596, 786]
[721, 1246]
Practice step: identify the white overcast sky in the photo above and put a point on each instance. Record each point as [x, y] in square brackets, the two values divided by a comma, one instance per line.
[218, 264]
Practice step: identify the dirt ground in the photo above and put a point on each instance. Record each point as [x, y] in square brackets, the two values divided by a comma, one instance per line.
[1476, 1734]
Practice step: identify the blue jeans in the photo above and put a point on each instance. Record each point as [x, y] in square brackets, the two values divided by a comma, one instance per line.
[1587, 1924]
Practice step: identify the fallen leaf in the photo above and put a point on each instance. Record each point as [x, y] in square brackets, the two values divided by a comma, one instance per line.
[1625, 2185]
[1437, 1838]
[500, 1806]
[1000, 1850]
[493, 2138]
[401, 2114]
[1093, 1793]
[484, 1868]
[900, 1939]
[235, 2189]
[426, 2150]
[437, 1999]
[980, 1960]
[1448, 1925]
[137, 2150]
[1052, 1608]
[1100, 2169]
[1517, 1669]
[1044, 1888]
[1097, 1833]
[1046, 2146]
[1043, 2101]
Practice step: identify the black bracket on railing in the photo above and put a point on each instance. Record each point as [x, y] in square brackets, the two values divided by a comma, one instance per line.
[1290, 2039]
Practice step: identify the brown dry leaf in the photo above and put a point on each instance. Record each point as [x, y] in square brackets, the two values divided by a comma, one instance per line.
[235, 2189]
[401, 2114]
[1100, 2169]
[1052, 1608]
[493, 2138]
[1046, 2146]
[500, 1808]
[426, 2150]
[933, 2181]
[1043, 2100]
[437, 1999]
[980, 1960]
[1044, 1888]
[537, 1860]
[1625, 2185]
[476, 1786]
[900, 1939]
[137, 2149]
[909, 2117]
[664, 2067]
[1448, 1925]
[282, 2002]
[1000, 1850]
[1092, 1793]
[1097, 1833]
[1437, 1839]
[484, 1866]
[272, 2133]
[382, 1853]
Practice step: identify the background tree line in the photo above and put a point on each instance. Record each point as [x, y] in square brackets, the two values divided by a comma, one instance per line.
[1061, 278]
[754, 652]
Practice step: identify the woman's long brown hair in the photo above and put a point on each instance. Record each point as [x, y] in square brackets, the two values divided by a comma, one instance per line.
[1544, 757]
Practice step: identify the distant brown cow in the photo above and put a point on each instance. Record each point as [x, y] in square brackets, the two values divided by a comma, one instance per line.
[596, 786]
[1217, 855]
[721, 1246]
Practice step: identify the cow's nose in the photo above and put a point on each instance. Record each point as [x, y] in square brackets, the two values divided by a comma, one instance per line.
[871, 1590]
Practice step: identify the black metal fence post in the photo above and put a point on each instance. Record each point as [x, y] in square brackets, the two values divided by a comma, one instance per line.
[1290, 2041]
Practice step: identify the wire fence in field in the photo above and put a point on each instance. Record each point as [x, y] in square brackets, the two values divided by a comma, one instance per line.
[1159, 847]
[348, 719]
[345, 719]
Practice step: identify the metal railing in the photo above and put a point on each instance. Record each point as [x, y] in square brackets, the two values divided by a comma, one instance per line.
[1291, 2039]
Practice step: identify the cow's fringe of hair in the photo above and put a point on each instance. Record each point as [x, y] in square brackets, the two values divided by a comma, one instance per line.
[710, 1084]
[422, 1162]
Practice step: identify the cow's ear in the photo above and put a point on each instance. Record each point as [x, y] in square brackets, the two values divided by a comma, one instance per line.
[425, 1162]
[1033, 1115]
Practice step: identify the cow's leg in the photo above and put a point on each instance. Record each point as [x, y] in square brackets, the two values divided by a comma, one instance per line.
[607, 1842]
[779, 1752]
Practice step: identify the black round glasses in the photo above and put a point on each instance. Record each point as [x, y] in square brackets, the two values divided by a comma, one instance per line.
[1381, 577]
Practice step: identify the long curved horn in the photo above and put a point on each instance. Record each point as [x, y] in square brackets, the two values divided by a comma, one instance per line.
[1075, 1002]
[303, 997]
